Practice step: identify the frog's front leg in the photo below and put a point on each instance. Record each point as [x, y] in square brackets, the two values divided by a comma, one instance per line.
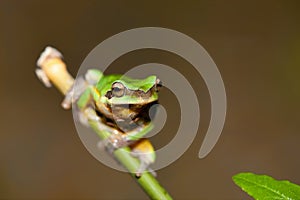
[130, 137]
[73, 94]
[88, 115]
[83, 92]
[80, 86]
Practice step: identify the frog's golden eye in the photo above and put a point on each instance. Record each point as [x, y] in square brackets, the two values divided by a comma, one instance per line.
[118, 89]
[158, 84]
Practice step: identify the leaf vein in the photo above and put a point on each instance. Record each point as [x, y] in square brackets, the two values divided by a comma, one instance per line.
[266, 187]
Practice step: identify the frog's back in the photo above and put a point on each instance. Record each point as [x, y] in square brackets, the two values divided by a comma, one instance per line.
[104, 84]
[133, 84]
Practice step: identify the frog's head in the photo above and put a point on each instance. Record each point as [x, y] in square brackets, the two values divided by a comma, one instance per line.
[127, 91]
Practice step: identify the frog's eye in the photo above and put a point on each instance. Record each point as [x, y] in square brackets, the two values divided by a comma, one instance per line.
[118, 89]
[158, 84]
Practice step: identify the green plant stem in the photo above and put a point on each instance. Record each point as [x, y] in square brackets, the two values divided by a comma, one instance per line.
[147, 181]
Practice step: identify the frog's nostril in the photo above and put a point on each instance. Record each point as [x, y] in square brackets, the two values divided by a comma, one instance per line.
[158, 84]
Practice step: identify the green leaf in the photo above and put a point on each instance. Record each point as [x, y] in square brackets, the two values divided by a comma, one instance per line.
[263, 187]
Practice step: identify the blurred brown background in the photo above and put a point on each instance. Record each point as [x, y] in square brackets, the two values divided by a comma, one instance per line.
[255, 44]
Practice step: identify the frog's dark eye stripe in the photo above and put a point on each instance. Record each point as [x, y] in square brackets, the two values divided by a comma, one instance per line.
[118, 89]
[109, 94]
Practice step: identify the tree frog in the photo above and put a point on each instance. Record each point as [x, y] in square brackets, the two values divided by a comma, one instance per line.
[120, 105]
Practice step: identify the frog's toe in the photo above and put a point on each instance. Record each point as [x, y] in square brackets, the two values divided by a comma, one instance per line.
[152, 172]
[73, 94]
[83, 119]
[91, 114]
[117, 141]
[113, 142]
[105, 145]
[93, 76]
[101, 145]
[83, 116]
[144, 166]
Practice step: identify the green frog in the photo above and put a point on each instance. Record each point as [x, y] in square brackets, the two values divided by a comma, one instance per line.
[120, 105]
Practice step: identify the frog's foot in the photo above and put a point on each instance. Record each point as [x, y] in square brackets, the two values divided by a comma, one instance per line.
[83, 119]
[74, 92]
[93, 76]
[117, 140]
[86, 115]
[113, 142]
[145, 162]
